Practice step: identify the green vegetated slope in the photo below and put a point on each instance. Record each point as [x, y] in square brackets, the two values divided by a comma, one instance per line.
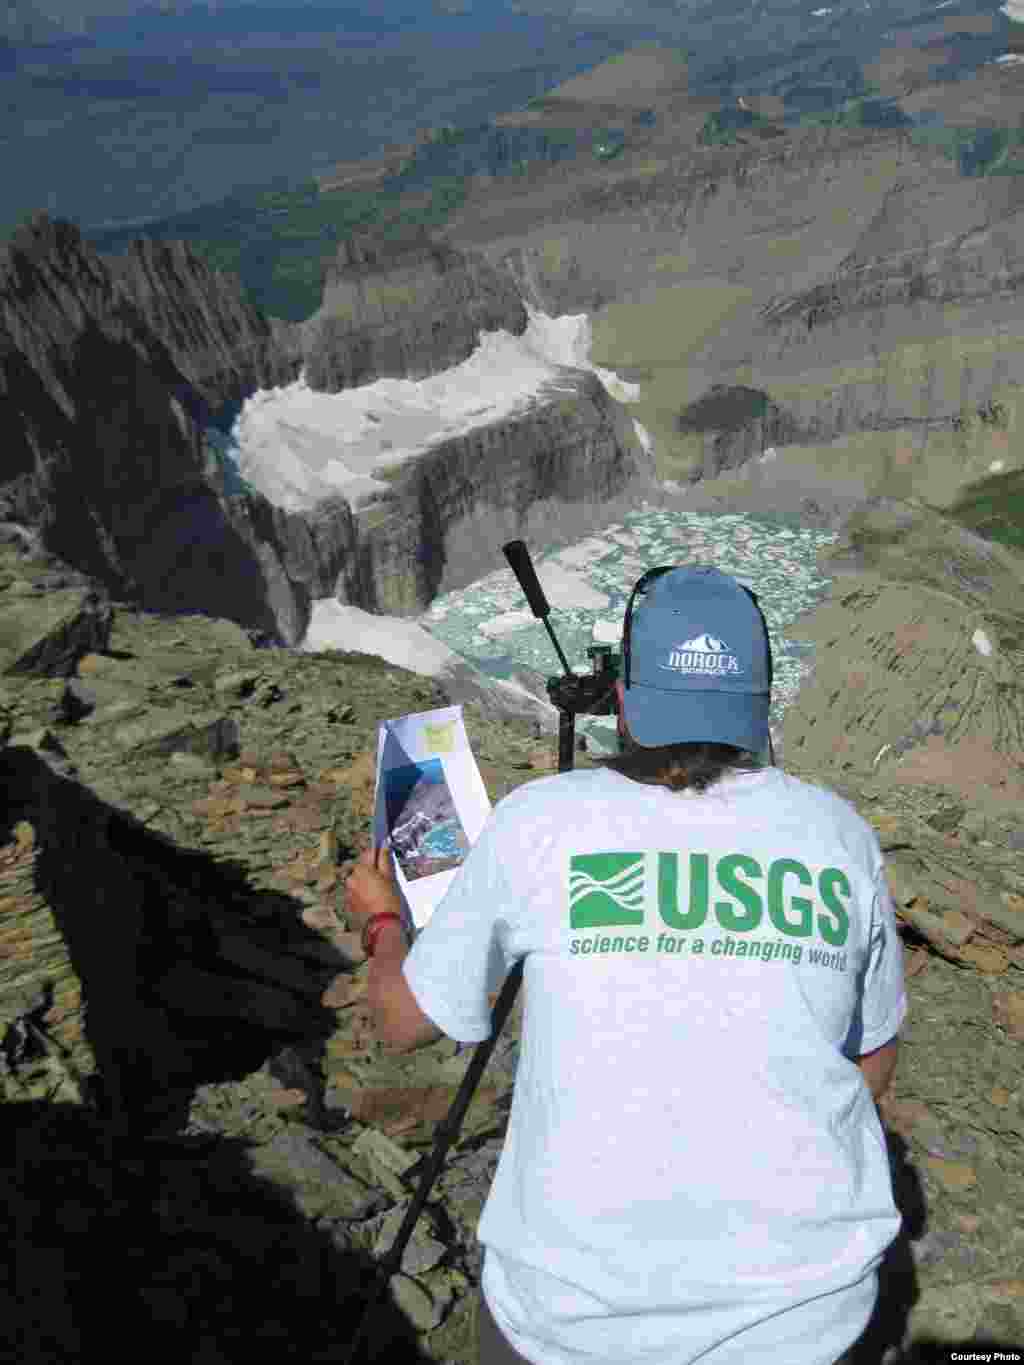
[275, 240]
[920, 453]
[978, 151]
[994, 508]
[649, 338]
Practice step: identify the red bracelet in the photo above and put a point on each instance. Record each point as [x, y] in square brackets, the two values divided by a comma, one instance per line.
[372, 928]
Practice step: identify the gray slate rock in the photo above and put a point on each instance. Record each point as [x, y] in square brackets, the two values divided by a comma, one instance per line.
[422, 1251]
[108, 379]
[418, 1304]
[48, 635]
[219, 341]
[77, 701]
[168, 731]
[406, 307]
[320, 1187]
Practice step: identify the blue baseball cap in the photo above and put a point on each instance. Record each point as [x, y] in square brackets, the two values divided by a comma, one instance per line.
[698, 664]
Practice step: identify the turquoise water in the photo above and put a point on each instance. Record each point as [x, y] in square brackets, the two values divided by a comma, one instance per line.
[490, 624]
[443, 841]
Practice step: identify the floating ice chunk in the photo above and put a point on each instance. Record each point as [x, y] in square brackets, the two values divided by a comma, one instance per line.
[584, 552]
[996, 467]
[819, 12]
[503, 624]
[981, 643]
[566, 589]
[607, 632]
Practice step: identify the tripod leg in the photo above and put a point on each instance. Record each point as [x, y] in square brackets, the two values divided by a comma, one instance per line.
[566, 740]
[446, 1135]
[449, 1130]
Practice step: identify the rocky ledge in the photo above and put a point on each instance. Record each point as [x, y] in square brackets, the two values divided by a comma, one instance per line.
[102, 425]
[115, 369]
[220, 341]
[184, 1022]
[404, 306]
[555, 471]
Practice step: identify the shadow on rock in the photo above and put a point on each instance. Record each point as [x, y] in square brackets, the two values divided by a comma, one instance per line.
[125, 1217]
[897, 1276]
[148, 927]
[881, 1342]
[168, 1245]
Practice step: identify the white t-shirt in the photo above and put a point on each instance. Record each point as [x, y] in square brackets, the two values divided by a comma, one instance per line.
[693, 1167]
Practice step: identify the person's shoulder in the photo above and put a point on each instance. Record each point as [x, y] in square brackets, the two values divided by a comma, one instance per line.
[539, 791]
[822, 799]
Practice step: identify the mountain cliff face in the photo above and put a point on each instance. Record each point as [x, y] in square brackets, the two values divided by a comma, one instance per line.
[101, 433]
[222, 344]
[937, 241]
[404, 307]
[869, 291]
[552, 471]
[111, 371]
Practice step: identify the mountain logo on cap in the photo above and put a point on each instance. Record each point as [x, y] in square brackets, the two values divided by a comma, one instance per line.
[705, 655]
[706, 644]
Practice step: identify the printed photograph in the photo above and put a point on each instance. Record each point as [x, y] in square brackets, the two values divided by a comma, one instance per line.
[425, 830]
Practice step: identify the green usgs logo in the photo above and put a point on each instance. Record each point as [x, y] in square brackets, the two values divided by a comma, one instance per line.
[609, 889]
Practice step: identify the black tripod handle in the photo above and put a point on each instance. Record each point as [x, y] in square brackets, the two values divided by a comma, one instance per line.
[518, 557]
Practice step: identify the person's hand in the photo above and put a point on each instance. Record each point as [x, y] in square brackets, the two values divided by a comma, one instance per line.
[371, 888]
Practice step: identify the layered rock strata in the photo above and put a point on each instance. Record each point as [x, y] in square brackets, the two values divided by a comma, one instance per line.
[918, 660]
[864, 285]
[113, 369]
[950, 240]
[555, 471]
[406, 307]
[220, 342]
[102, 434]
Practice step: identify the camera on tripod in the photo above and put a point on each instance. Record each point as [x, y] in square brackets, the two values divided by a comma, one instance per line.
[590, 693]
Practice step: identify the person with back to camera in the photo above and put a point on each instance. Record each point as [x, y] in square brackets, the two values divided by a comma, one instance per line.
[694, 1168]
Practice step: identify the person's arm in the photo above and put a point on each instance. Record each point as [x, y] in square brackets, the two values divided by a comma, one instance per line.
[877, 1067]
[399, 1022]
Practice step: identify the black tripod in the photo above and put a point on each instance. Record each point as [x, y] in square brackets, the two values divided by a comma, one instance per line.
[571, 694]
